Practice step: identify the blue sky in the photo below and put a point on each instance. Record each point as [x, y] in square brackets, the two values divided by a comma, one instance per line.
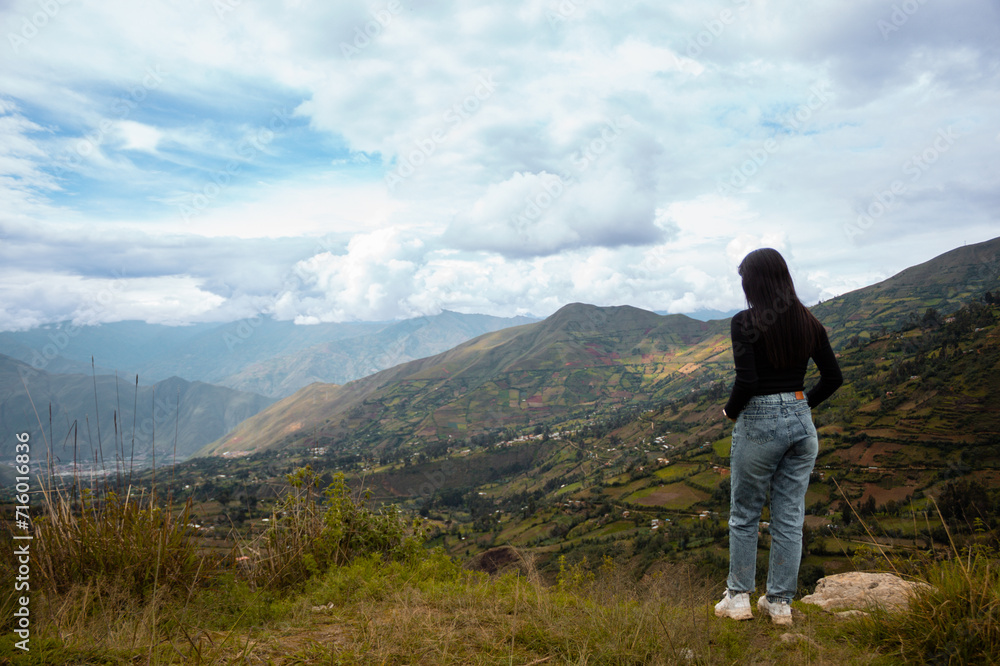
[200, 160]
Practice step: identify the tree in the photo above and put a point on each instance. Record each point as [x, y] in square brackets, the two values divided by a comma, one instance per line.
[964, 500]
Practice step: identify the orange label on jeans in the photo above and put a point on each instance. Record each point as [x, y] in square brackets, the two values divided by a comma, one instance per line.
[799, 395]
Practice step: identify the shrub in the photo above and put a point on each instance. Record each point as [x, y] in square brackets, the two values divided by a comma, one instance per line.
[307, 535]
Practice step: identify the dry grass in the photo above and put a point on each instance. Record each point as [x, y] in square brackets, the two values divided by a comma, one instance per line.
[125, 538]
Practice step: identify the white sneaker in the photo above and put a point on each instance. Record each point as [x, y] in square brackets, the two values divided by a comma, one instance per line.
[734, 606]
[780, 611]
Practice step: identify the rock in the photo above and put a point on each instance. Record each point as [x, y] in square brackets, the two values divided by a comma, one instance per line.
[798, 638]
[498, 560]
[857, 590]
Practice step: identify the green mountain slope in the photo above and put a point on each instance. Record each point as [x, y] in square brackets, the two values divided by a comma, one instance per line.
[943, 283]
[919, 409]
[580, 362]
[582, 358]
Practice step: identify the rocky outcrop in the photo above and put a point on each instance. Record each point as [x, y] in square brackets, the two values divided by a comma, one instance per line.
[859, 591]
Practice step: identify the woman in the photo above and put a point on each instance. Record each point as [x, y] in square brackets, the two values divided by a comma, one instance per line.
[774, 441]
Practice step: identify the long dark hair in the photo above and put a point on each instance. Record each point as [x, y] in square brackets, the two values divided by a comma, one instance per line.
[790, 332]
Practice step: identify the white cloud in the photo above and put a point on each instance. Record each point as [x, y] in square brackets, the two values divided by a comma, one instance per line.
[415, 165]
[370, 281]
[540, 214]
[29, 297]
[137, 136]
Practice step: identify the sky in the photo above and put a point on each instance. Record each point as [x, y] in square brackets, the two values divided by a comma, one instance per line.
[210, 160]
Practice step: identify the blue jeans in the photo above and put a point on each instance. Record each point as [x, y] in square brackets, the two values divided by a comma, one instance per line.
[774, 448]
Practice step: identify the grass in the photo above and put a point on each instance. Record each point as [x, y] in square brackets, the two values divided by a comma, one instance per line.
[675, 471]
[431, 611]
[334, 582]
[955, 621]
[673, 497]
[126, 538]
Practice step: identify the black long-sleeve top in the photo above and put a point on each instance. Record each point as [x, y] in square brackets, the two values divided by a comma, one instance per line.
[755, 375]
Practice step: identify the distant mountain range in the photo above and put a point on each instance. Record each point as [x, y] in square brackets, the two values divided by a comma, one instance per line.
[103, 420]
[581, 361]
[389, 389]
[344, 359]
[260, 355]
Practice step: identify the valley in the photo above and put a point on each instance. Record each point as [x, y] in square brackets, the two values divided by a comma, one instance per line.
[598, 431]
[644, 477]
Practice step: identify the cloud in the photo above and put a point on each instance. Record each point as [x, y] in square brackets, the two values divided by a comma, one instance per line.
[137, 136]
[29, 297]
[370, 281]
[541, 214]
[367, 159]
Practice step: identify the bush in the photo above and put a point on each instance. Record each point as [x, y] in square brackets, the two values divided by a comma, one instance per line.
[308, 535]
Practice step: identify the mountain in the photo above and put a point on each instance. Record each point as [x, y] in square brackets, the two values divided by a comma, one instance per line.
[580, 361]
[258, 354]
[705, 314]
[68, 348]
[942, 283]
[914, 431]
[190, 413]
